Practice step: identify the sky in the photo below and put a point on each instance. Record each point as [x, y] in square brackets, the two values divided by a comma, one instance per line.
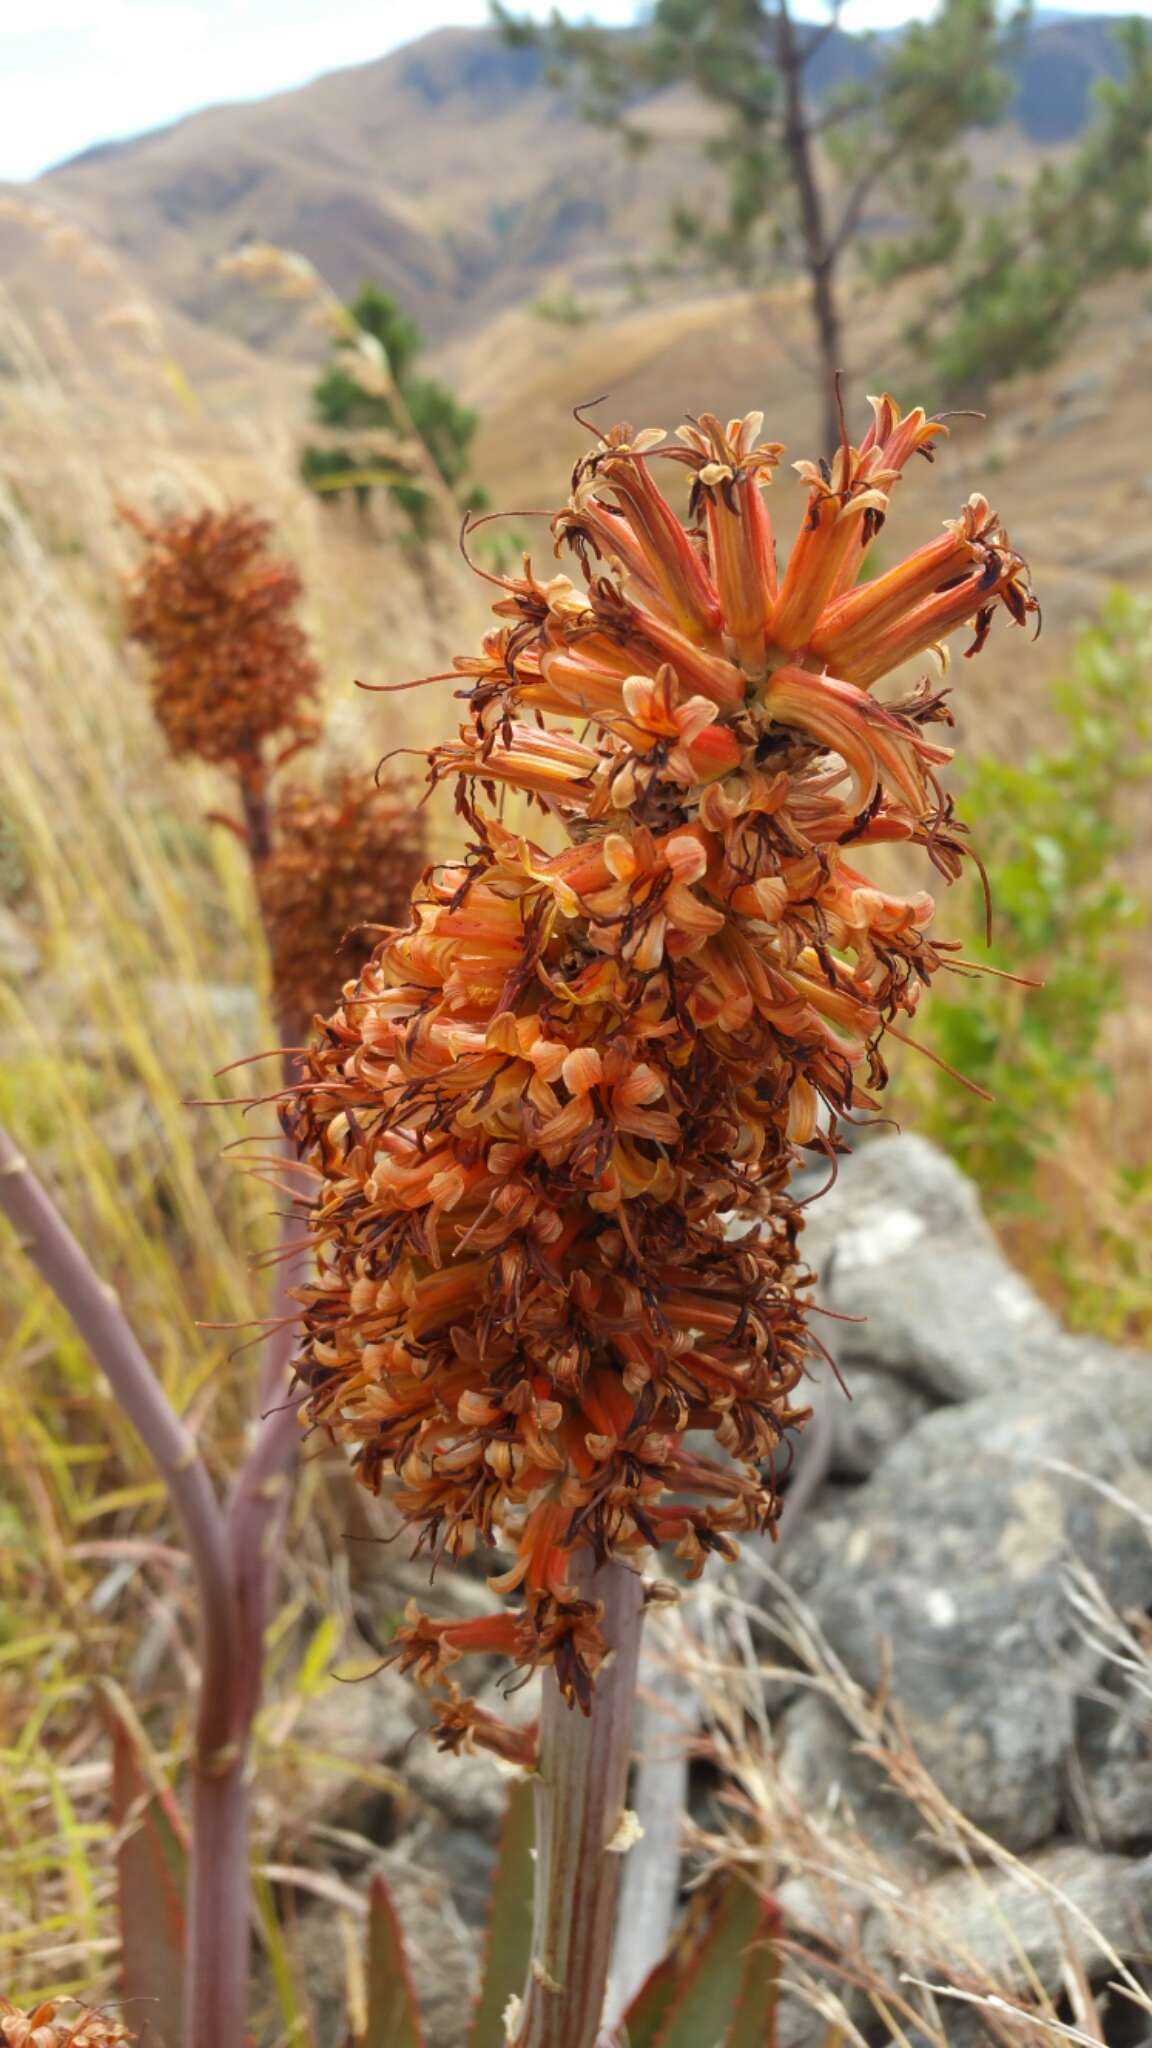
[76, 72]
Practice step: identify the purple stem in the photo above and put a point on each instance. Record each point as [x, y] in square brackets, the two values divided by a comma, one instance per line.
[219, 1928]
[257, 1508]
[262, 1489]
[257, 821]
[96, 1312]
[583, 1778]
[217, 1941]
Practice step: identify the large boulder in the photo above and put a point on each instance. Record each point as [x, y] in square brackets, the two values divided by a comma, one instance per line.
[1014, 1935]
[1109, 1775]
[974, 1571]
[901, 1249]
[946, 1575]
[984, 1592]
[867, 1415]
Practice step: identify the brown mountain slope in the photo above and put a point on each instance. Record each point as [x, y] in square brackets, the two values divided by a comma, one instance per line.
[447, 171]
[450, 171]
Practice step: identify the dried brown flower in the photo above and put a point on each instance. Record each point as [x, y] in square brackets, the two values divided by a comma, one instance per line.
[344, 861]
[43, 2026]
[553, 1126]
[231, 669]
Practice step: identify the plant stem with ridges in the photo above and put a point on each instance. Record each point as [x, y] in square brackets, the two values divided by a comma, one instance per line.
[580, 1797]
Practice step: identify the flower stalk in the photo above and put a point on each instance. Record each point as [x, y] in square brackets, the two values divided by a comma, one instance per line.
[605, 1039]
[582, 1826]
[233, 681]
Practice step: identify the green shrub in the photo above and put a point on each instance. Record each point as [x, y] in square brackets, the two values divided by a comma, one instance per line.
[427, 408]
[1071, 1188]
[1051, 829]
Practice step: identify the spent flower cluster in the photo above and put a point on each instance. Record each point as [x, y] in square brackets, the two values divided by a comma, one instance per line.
[44, 2026]
[234, 681]
[552, 1126]
[230, 666]
[346, 853]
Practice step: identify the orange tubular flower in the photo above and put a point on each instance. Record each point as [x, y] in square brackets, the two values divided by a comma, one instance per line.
[554, 1124]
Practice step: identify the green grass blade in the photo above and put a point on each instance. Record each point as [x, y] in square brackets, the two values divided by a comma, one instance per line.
[293, 2018]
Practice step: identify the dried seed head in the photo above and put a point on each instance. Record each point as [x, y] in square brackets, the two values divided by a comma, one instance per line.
[231, 670]
[555, 1124]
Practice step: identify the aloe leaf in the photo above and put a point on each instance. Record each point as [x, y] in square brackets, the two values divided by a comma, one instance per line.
[654, 2001]
[508, 1943]
[754, 2025]
[726, 1996]
[150, 1875]
[393, 2015]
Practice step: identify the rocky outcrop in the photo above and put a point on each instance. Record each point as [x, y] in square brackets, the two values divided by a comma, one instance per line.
[981, 1560]
[903, 1252]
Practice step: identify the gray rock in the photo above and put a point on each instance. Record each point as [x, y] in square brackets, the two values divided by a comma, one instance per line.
[1090, 383]
[945, 1575]
[974, 1934]
[991, 1933]
[336, 1755]
[900, 1241]
[439, 1951]
[1129, 557]
[468, 1790]
[1087, 415]
[1110, 1772]
[822, 1775]
[869, 1418]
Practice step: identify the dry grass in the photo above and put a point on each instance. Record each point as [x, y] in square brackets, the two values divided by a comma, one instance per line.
[869, 1949]
[131, 972]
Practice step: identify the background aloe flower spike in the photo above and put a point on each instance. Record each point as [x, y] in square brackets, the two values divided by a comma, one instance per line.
[230, 667]
[539, 1109]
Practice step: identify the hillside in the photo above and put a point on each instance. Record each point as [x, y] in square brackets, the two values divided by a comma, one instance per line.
[450, 170]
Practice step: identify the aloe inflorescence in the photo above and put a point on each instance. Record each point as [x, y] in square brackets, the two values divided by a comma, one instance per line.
[553, 1123]
[234, 681]
[232, 674]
